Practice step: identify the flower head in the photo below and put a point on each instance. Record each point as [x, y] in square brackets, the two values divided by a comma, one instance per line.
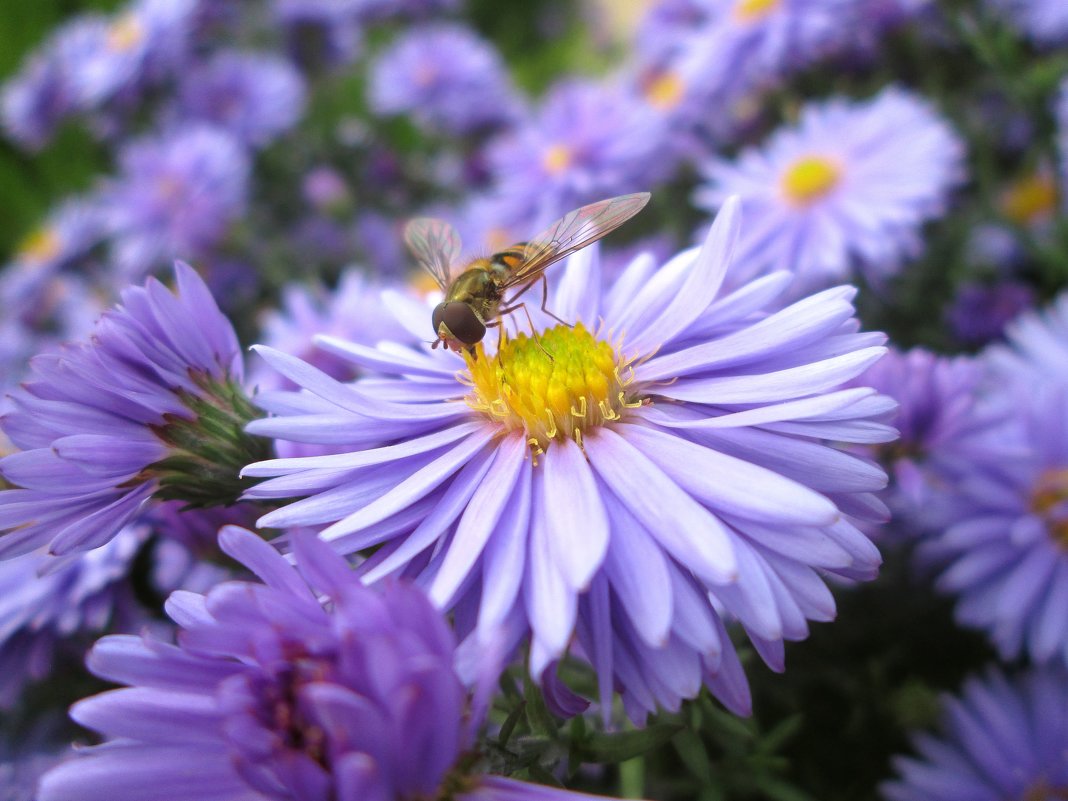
[1003, 738]
[447, 78]
[254, 97]
[850, 183]
[149, 407]
[587, 141]
[41, 615]
[307, 686]
[560, 484]
[1004, 546]
[1043, 21]
[175, 195]
[353, 310]
[1036, 347]
[941, 419]
[68, 233]
[979, 313]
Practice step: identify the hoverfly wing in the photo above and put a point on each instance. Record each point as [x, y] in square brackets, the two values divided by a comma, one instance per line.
[435, 245]
[574, 231]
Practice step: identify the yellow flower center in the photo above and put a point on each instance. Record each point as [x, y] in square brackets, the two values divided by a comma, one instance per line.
[125, 33]
[556, 387]
[40, 246]
[752, 10]
[809, 179]
[1050, 502]
[664, 91]
[557, 159]
[1030, 199]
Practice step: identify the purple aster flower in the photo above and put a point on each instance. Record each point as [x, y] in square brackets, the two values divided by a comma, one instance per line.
[1043, 21]
[255, 97]
[102, 56]
[68, 233]
[320, 32]
[353, 311]
[25, 756]
[326, 189]
[1061, 114]
[852, 182]
[380, 10]
[1005, 544]
[1003, 738]
[1036, 350]
[447, 78]
[175, 196]
[979, 313]
[272, 693]
[587, 141]
[42, 616]
[62, 308]
[35, 101]
[941, 420]
[684, 433]
[150, 407]
[719, 52]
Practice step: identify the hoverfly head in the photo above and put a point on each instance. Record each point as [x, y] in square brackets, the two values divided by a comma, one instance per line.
[457, 325]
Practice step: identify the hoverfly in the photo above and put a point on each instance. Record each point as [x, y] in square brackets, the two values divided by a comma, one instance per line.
[475, 299]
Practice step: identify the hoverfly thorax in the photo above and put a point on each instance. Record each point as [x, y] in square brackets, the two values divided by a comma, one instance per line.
[475, 299]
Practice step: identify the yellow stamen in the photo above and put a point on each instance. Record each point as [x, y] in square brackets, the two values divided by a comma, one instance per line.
[556, 159]
[40, 246]
[1050, 502]
[125, 33]
[752, 10]
[809, 179]
[664, 91]
[1031, 199]
[550, 398]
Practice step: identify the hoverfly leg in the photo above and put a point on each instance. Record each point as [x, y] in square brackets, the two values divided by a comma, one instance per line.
[545, 300]
[533, 330]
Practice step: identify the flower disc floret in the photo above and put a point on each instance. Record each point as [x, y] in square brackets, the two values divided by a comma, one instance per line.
[809, 179]
[555, 387]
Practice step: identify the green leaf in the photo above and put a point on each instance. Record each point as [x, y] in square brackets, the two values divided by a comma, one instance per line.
[606, 747]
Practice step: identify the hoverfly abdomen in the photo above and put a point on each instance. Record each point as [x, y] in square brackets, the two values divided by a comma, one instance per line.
[511, 258]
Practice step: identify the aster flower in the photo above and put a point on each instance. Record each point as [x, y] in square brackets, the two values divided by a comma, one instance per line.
[150, 407]
[942, 421]
[254, 97]
[1003, 548]
[354, 311]
[35, 101]
[175, 195]
[1043, 21]
[587, 141]
[1036, 347]
[447, 78]
[320, 32]
[979, 313]
[852, 182]
[26, 755]
[43, 315]
[69, 232]
[42, 616]
[274, 694]
[720, 54]
[1003, 738]
[689, 451]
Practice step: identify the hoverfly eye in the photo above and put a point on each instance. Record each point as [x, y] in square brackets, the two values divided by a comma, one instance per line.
[438, 317]
[462, 321]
